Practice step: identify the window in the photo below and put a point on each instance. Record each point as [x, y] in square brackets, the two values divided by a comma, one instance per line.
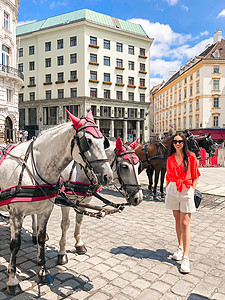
[132, 112]
[105, 111]
[73, 41]
[31, 80]
[21, 97]
[216, 85]
[93, 57]
[93, 75]
[184, 123]
[130, 65]
[142, 51]
[185, 93]
[190, 106]
[5, 55]
[142, 67]
[184, 108]
[191, 77]
[107, 44]
[131, 80]
[106, 61]
[60, 93]
[119, 95]
[131, 96]
[21, 52]
[48, 95]
[119, 79]
[185, 80]
[32, 116]
[191, 90]
[93, 92]
[190, 122]
[215, 121]
[107, 94]
[60, 76]
[73, 92]
[107, 77]
[216, 69]
[31, 50]
[60, 60]
[20, 67]
[73, 58]
[119, 62]
[142, 82]
[48, 78]
[197, 103]
[131, 50]
[50, 115]
[9, 95]
[197, 72]
[47, 46]
[93, 40]
[216, 102]
[47, 62]
[119, 112]
[197, 87]
[197, 122]
[31, 65]
[60, 44]
[119, 47]
[73, 74]
[142, 97]
[6, 20]
[32, 96]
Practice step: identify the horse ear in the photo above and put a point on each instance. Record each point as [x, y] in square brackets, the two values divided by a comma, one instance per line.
[90, 116]
[133, 145]
[119, 144]
[74, 119]
[209, 135]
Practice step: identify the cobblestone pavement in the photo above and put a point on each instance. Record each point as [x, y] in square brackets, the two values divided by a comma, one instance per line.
[129, 256]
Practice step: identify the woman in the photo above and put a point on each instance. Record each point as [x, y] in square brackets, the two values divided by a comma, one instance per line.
[181, 181]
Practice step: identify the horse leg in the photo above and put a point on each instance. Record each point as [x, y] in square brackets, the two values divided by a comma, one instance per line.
[163, 172]
[65, 223]
[42, 220]
[149, 172]
[16, 221]
[34, 228]
[156, 183]
[80, 247]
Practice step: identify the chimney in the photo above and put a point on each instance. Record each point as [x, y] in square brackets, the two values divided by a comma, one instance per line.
[217, 37]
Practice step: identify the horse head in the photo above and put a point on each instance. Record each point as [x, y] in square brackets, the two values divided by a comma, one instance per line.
[192, 143]
[91, 146]
[210, 147]
[126, 167]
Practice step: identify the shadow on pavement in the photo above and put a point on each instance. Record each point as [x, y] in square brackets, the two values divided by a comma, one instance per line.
[197, 297]
[160, 254]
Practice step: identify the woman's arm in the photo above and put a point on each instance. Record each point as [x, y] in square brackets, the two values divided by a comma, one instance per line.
[194, 183]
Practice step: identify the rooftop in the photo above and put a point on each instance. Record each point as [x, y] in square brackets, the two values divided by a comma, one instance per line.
[81, 15]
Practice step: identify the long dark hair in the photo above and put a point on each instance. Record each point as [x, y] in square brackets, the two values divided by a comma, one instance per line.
[186, 152]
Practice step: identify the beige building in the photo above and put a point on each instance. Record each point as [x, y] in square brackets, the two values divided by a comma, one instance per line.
[193, 98]
[11, 79]
[82, 60]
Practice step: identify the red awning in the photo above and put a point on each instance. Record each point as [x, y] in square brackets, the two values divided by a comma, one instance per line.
[218, 136]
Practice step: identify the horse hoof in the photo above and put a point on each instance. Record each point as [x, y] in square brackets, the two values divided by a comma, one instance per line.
[81, 249]
[14, 289]
[46, 237]
[62, 259]
[162, 196]
[45, 279]
[34, 239]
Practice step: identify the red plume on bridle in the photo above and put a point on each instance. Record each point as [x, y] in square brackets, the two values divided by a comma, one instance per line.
[133, 145]
[120, 149]
[89, 120]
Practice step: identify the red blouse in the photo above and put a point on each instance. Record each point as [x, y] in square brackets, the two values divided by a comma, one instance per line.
[176, 173]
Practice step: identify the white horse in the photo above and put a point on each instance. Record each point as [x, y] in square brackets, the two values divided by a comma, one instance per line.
[37, 165]
[124, 163]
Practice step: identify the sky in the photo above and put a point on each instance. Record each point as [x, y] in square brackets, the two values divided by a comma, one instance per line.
[181, 28]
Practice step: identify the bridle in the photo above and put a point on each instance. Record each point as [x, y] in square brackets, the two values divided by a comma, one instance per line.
[124, 186]
[210, 149]
[84, 146]
[193, 144]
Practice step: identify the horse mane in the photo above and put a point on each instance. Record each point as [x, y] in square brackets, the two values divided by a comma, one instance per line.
[56, 127]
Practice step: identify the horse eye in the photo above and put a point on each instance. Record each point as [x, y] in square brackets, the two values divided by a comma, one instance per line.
[124, 166]
[89, 141]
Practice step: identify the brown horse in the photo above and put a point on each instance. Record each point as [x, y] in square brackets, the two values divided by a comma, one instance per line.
[154, 155]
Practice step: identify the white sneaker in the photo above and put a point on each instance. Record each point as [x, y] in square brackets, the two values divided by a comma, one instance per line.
[185, 265]
[178, 254]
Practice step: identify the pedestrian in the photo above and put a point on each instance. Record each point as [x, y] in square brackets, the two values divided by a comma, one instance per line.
[181, 181]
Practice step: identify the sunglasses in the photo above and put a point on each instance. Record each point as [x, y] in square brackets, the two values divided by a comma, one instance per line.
[179, 142]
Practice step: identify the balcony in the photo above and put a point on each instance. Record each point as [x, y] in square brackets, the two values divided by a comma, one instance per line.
[11, 71]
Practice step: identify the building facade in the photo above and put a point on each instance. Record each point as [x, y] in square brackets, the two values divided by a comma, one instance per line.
[85, 60]
[193, 98]
[11, 79]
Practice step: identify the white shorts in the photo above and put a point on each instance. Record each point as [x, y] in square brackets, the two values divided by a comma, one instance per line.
[183, 201]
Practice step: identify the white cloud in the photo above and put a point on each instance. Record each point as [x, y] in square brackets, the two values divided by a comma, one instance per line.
[55, 4]
[185, 7]
[155, 81]
[204, 33]
[25, 22]
[162, 67]
[221, 14]
[172, 2]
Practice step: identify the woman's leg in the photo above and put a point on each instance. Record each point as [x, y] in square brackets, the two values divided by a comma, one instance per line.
[185, 231]
[177, 214]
